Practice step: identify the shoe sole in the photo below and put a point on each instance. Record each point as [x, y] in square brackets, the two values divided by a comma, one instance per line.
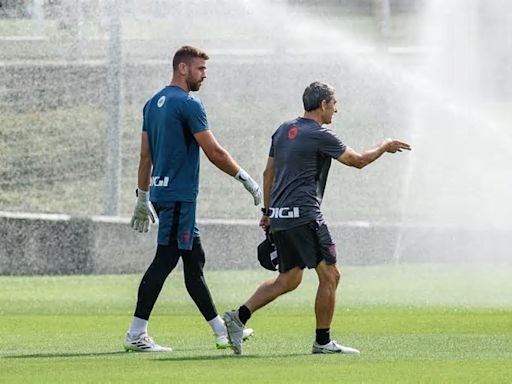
[324, 351]
[330, 352]
[128, 349]
[228, 345]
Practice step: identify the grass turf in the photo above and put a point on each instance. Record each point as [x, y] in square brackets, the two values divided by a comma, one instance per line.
[421, 323]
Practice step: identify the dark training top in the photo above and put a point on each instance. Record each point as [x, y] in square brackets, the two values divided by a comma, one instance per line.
[302, 151]
[171, 118]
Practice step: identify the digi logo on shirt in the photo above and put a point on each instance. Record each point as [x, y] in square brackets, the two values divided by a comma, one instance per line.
[284, 213]
[157, 181]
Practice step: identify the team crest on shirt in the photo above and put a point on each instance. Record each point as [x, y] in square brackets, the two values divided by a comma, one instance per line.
[160, 102]
[292, 133]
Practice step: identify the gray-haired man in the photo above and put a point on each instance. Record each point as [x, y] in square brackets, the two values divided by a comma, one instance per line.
[293, 185]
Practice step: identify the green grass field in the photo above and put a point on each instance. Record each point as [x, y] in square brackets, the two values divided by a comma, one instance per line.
[413, 323]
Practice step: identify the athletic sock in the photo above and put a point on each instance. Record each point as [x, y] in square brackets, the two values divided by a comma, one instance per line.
[323, 336]
[244, 314]
[138, 327]
[218, 326]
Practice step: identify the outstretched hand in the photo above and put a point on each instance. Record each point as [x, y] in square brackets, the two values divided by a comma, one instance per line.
[393, 146]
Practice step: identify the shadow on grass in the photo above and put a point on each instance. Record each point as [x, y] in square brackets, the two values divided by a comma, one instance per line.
[55, 355]
[230, 356]
[165, 359]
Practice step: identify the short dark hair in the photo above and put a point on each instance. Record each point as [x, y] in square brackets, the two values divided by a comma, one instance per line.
[315, 93]
[185, 54]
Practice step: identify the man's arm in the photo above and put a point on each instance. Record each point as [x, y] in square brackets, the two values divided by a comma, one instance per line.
[223, 160]
[268, 182]
[145, 163]
[361, 160]
[143, 211]
[215, 153]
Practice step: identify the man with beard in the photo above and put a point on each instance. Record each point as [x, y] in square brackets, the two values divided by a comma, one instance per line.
[174, 128]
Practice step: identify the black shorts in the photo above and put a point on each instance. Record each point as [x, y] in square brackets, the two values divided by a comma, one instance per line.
[304, 246]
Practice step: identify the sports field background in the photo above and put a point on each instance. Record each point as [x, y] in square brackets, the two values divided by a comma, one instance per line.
[63, 119]
[422, 323]
[413, 323]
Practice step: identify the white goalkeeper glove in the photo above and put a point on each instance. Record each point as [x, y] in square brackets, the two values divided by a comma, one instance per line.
[250, 185]
[143, 212]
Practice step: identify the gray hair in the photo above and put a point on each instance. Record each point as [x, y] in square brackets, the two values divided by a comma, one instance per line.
[315, 93]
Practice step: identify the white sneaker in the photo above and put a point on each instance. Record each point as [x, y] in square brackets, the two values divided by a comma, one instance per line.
[222, 342]
[143, 343]
[235, 330]
[333, 347]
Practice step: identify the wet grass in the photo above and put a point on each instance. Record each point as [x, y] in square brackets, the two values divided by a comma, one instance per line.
[413, 323]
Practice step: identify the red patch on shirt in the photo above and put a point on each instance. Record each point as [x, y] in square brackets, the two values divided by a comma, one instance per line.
[292, 133]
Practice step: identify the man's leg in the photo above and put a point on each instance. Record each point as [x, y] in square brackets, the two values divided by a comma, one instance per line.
[328, 279]
[165, 261]
[272, 289]
[266, 293]
[193, 263]
[150, 287]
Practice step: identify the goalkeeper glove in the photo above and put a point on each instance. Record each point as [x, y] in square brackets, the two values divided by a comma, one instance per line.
[143, 212]
[250, 185]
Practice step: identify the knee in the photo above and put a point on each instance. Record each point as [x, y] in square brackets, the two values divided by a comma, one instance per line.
[337, 275]
[165, 260]
[192, 272]
[194, 260]
[331, 278]
[289, 284]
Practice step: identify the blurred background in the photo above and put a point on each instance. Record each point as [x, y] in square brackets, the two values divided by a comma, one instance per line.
[74, 76]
